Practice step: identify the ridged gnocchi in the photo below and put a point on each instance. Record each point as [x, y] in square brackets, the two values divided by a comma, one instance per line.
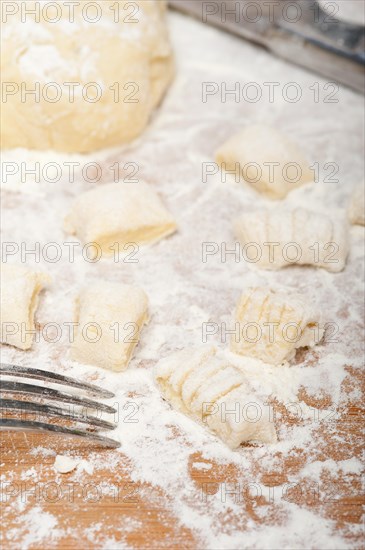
[265, 159]
[119, 214]
[276, 238]
[274, 324]
[20, 289]
[216, 394]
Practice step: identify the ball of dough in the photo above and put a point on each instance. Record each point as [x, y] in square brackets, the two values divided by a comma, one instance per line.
[95, 84]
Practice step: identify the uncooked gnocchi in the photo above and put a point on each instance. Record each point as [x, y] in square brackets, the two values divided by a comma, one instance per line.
[265, 159]
[273, 239]
[274, 324]
[109, 318]
[357, 206]
[117, 215]
[215, 393]
[20, 289]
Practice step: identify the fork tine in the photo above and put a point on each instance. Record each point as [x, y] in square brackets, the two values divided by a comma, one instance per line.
[37, 427]
[38, 374]
[57, 412]
[52, 394]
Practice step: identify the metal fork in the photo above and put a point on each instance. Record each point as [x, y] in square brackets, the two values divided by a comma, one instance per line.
[14, 406]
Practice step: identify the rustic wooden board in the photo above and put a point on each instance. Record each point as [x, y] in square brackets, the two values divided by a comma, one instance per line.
[138, 515]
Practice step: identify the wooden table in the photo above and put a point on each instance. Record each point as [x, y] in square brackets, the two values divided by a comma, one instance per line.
[138, 515]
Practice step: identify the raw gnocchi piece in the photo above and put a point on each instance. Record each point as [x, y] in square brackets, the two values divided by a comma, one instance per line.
[265, 159]
[20, 289]
[109, 318]
[207, 388]
[273, 239]
[122, 213]
[274, 324]
[357, 206]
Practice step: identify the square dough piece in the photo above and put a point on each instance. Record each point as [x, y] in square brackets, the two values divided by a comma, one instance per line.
[110, 317]
[357, 206]
[251, 152]
[274, 324]
[276, 238]
[20, 288]
[120, 213]
[207, 388]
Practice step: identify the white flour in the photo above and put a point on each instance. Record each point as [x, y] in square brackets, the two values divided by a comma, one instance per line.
[184, 293]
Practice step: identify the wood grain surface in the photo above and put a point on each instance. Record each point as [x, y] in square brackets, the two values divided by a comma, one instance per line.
[135, 515]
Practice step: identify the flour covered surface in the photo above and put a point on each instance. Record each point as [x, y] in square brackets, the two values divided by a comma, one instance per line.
[173, 480]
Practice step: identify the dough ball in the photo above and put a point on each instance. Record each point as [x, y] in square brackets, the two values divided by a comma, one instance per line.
[96, 83]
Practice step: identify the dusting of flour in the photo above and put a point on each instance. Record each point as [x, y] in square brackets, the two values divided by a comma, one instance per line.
[163, 449]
